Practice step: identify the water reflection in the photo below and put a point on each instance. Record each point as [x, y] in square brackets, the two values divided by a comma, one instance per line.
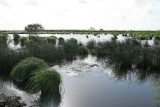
[8, 88]
[142, 75]
[90, 82]
[156, 84]
[50, 100]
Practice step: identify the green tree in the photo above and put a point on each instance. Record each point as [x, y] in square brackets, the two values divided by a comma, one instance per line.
[33, 29]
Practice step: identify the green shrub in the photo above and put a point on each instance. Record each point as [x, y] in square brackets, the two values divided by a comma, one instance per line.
[45, 51]
[91, 44]
[61, 41]
[3, 38]
[73, 40]
[9, 57]
[51, 40]
[16, 38]
[70, 48]
[24, 69]
[142, 38]
[38, 39]
[46, 81]
[29, 42]
[83, 50]
[157, 37]
[114, 37]
[120, 53]
[23, 40]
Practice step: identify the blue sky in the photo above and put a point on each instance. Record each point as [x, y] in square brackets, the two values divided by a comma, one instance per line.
[81, 14]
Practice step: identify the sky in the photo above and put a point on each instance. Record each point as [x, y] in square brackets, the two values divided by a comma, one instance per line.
[81, 14]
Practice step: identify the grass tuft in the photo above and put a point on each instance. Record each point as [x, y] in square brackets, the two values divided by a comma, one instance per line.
[83, 50]
[24, 69]
[46, 81]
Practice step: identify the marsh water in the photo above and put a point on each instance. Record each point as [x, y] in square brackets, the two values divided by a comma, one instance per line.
[91, 82]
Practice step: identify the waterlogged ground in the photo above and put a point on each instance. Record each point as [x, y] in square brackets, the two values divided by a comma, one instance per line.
[89, 82]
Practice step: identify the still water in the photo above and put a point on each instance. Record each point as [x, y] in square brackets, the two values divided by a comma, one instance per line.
[90, 82]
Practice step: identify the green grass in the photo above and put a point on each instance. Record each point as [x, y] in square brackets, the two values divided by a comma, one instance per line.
[22, 72]
[61, 41]
[129, 52]
[46, 81]
[45, 51]
[10, 57]
[23, 40]
[91, 45]
[70, 48]
[16, 38]
[51, 40]
[3, 38]
[83, 50]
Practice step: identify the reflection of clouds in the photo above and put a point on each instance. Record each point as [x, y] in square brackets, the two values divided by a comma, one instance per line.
[79, 67]
[9, 89]
[156, 86]
[109, 72]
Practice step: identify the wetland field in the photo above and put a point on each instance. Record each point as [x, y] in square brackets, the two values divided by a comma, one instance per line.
[80, 68]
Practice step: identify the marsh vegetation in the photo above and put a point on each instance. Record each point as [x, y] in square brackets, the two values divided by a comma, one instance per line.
[30, 63]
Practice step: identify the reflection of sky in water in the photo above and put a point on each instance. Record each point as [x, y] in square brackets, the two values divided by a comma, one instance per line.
[10, 89]
[80, 38]
[95, 86]
[88, 83]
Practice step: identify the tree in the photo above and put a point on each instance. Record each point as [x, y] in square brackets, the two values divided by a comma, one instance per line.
[33, 29]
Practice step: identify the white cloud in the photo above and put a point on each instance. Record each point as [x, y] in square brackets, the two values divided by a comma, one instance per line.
[71, 14]
[83, 2]
[3, 3]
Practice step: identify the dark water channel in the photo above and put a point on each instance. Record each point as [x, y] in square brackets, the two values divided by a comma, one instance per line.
[89, 82]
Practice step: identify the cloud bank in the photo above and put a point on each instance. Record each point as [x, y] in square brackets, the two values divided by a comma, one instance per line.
[81, 14]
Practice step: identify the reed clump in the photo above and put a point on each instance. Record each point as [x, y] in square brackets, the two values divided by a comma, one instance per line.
[46, 81]
[22, 72]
